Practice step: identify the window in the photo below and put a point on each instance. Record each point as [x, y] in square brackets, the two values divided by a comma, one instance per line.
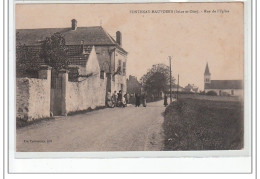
[119, 63]
[102, 74]
[124, 68]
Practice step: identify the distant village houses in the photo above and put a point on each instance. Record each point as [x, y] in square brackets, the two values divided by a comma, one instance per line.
[191, 88]
[97, 64]
[175, 88]
[133, 85]
[222, 87]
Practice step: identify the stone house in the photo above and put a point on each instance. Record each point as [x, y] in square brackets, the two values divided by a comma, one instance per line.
[97, 65]
[111, 56]
[222, 87]
[61, 96]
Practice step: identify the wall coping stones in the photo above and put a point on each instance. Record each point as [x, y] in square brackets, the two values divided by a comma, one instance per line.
[63, 71]
[45, 67]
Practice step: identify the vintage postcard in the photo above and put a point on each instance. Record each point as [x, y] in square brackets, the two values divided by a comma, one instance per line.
[131, 77]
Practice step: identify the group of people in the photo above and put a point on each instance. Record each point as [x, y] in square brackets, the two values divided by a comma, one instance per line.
[117, 99]
[120, 100]
[140, 98]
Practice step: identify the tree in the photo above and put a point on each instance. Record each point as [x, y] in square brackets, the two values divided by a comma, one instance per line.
[157, 79]
[54, 52]
[27, 62]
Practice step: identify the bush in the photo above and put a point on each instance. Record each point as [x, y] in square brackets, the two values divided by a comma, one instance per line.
[202, 93]
[211, 93]
[225, 94]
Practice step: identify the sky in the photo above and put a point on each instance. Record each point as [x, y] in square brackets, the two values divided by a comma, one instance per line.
[192, 39]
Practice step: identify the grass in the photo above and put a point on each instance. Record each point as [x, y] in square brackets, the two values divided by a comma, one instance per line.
[22, 123]
[195, 124]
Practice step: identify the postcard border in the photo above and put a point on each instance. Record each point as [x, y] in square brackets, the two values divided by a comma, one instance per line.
[8, 109]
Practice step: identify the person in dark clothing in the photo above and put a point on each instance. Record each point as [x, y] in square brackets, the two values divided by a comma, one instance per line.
[114, 97]
[137, 100]
[127, 97]
[165, 100]
[119, 96]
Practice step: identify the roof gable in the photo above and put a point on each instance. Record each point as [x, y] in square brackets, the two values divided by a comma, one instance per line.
[79, 56]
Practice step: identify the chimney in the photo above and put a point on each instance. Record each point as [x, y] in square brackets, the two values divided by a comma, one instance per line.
[73, 24]
[119, 38]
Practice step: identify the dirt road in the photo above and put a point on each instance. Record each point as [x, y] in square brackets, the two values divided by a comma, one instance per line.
[117, 129]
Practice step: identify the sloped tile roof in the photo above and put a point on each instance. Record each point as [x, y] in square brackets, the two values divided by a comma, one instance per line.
[95, 35]
[75, 55]
[224, 84]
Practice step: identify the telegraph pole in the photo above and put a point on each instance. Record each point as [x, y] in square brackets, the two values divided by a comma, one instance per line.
[170, 58]
[178, 89]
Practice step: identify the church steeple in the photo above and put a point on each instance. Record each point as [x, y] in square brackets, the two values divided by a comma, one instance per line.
[207, 74]
[207, 70]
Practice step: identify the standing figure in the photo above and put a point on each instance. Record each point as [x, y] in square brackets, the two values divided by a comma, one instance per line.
[137, 100]
[120, 99]
[119, 96]
[165, 100]
[144, 96]
[126, 97]
[152, 96]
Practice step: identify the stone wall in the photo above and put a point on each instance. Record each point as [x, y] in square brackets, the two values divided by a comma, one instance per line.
[22, 98]
[89, 93]
[32, 98]
[35, 98]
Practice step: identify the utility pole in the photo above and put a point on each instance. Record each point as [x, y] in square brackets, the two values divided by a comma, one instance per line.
[170, 58]
[178, 89]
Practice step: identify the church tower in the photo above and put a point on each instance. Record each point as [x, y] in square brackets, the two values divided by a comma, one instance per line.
[207, 74]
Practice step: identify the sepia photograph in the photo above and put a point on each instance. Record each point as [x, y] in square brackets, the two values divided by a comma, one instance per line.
[129, 77]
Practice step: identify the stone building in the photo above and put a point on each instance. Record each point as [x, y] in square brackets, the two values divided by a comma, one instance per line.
[111, 56]
[60, 96]
[97, 65]
[222, 87]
